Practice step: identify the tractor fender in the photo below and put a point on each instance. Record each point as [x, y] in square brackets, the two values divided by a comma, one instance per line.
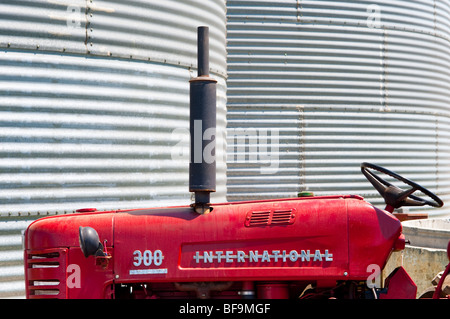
[399, 285]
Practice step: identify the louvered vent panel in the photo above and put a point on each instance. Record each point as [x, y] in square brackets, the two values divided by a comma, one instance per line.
[282, 217]
[46, 274]
[270, 218]
[257, 219]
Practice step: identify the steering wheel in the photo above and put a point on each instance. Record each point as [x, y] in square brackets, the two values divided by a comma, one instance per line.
[394, 196]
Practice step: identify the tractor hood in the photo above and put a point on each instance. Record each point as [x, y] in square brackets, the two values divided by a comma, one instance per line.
[328, 237]
[62, 231]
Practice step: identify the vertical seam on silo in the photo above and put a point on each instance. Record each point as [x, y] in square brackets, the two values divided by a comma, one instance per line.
[384, 90]
[437, 152]
[434, 17]
[302, 166]
[86, 26]
[301, 109]
[299, 10]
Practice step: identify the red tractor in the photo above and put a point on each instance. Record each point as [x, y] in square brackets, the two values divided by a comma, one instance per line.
[306, 247]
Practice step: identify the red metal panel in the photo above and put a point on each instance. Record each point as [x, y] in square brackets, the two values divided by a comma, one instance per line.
[94, 281]
[219, 245]
[62, 231]
[373, 234]
[321, 240]
[399, 286]
[45, 273]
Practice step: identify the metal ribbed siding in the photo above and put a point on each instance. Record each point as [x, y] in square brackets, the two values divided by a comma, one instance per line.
[86, 132]
[160, 31]
[92, 92]
[94, 108]
[339, 92]
[11, 256]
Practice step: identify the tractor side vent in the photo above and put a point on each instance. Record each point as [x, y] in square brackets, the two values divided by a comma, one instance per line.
[270, 218]
[46, 274]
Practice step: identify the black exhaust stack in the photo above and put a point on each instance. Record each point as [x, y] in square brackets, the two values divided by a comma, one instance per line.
[202, 167]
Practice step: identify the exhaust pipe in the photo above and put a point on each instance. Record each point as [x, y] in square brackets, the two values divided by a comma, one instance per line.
[202, 166]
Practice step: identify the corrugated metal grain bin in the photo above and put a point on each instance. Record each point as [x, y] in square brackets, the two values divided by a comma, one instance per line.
[94, 108]
[334, 84]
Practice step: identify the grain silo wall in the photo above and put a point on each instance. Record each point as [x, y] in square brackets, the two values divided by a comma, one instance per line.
[317, 87]
[94, 109]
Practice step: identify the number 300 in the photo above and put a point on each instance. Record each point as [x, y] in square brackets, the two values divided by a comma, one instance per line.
[148, 258]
